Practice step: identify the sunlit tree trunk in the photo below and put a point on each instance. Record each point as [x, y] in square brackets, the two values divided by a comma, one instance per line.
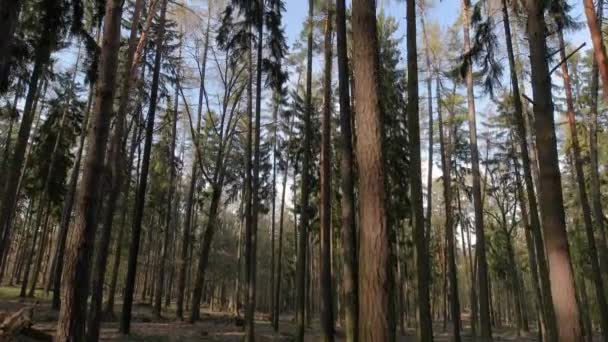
[599, 49]
[374, 261]
[594, 178]
[551, 197]
[548, 313]
[76, 271]
[582, 193]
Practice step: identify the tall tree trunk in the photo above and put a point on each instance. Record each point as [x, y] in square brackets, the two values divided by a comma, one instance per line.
[66, 214]
[183, 268]
[109, 309]
[115, 167]
[125, 321]
[325, 281]
[532, 257]
[203, 259]
[160, 279]
[446, 157]
[595, 185]
[14, 116]
[480, 248]
[277, 294]
[41, 211]
[255, 182]
[551, 197]
[582, 194]
[548, 312]
[429, 180]
[305, 188]
[425, 327]
[11, 186]
[350, 284]
[599, 49]
[374, 261]
[75, 277]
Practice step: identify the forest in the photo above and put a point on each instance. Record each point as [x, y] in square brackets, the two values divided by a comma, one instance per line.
[291, 170]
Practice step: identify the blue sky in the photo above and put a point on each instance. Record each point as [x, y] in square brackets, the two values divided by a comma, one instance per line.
[444, 12]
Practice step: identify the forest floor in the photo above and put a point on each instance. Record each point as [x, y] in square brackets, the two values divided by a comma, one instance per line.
[214, 326]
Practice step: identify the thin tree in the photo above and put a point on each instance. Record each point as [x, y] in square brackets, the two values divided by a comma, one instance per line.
[327, 319]
[125, 320]
[425, 323]
[446, 158]
[349, 232]
[305, 187]
[183, 265]
[480, 248]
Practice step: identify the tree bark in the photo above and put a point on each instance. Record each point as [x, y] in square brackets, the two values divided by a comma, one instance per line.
[66, 214]
[599, 49]
[305, 188]
[446, 157]
[374, 260]
[480, 248]
[11, 185]
[425, 326]
[160, 279]
[125, 321]
[582, 193]
[350, 284]
[551, 197]
[595, 185]
[72, 316]
[548, 312]
[325, 280]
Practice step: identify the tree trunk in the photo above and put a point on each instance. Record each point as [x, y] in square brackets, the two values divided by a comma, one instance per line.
[75, 277]
[595, 185]
[119, 240]
[203, 260]
[374, 261]
[425, 328]
[255, 184]
[66, 214]
[548, 312]
[582, 194]
[40, 214]
[325, 280]
[305, 188]
[138, 212]
[349, 231]
[551, 197]
[160, 279]
[115, 168]
[599, 49]
[11, 185]
[480, 249]
[446, 157]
